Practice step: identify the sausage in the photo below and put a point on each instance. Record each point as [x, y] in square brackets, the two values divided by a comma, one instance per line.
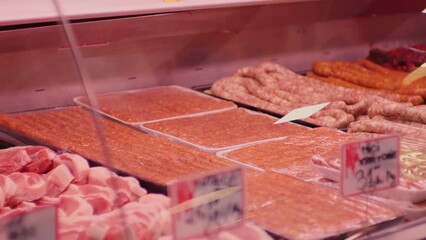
[398, 111]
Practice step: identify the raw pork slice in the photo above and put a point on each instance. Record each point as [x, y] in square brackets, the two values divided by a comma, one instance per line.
[139, 221]
[73, 228]
[58, 180]
[13, 160]
[127, 189]
[26, 204]
[71, 189]
[78, 166]
[100, 175]
[156, 198]
[8, 186]
[41, 159]
[30, 187]
[2, 198]
[100, 198]
[47, 201]
[74, 205]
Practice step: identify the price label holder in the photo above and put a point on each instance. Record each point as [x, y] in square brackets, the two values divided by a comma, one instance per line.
[205, 204]
[301, 113]
[36, 224]
[370, 165]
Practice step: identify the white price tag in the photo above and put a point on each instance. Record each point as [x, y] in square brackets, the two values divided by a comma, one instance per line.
[415, 75]
[301, 113]
[40, 223]
[208, 203]
[370, 165]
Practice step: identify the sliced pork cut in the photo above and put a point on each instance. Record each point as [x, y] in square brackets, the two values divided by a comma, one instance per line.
[13, 160]
[8, 187]
[2, 198]
[78, 166]
[43, 201]
[102, 199]
[158, 198]
[100, 176]
[41, 159]
[30, 187]
[57, 180]
[74, 205]
[127, 189]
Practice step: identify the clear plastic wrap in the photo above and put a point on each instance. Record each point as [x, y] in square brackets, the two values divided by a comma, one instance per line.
[157, 103]
[213, 132]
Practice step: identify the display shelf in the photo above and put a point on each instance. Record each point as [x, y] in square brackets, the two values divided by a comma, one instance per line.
[28, 11]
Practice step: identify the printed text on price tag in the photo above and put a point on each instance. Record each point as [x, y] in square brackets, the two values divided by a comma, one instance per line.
[370, 165]
[39, 223]
[208, 203]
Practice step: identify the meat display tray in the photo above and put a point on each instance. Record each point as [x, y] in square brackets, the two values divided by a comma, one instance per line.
[79, 101]
[205, 89]
[399, 193]
[207, 148]
[73, 130]
[15, 139]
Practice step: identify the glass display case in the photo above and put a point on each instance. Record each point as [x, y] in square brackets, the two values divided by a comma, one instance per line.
[110, 102]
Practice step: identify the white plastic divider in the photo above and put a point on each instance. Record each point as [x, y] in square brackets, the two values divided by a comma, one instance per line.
[78, 100]
[30, 11]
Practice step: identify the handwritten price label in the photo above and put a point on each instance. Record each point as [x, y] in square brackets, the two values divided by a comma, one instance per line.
[370, 165]
[205, 204]
[40, 223]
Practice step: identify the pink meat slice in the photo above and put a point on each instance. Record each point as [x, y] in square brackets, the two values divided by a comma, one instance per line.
[8, 187]
[11, 212]
[155, 198]
[4, 210]
[101, 198]
[30, 187]
[74, 205]
[72, 189]
[78, 166]
[57, 180]
[41, 159]
[135, 189]
[13, 160]
[127, 189]
[100, 175]
[107, 226]
[73, 234]
[148, 221]
[2, 198]
[72, 228]
[47, 201]
[26, 204]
